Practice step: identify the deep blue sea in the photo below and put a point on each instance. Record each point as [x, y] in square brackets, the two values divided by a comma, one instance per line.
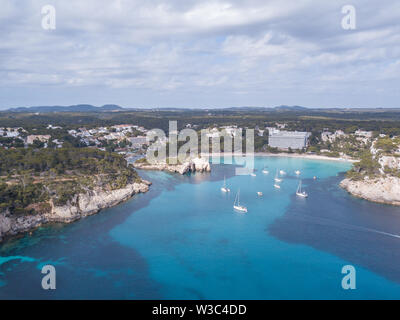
[182, 240]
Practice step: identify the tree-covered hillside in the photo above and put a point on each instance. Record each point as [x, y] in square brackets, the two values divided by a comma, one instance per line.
[30, 178]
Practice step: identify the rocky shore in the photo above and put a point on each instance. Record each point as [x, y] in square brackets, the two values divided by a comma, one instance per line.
[193, 165]
[381, 190]
[80, 206]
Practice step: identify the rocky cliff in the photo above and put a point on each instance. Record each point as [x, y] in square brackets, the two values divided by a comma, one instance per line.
[193, 165]
[80, 206]
[381, 190]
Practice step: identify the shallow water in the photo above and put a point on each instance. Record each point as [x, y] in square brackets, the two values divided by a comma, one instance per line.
[182, 240]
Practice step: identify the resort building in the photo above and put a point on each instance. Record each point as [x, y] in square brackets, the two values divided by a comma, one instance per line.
[364, 134]
[42, 138]
[123, 127]
[138, 142]
[327, 136]
[288, 139]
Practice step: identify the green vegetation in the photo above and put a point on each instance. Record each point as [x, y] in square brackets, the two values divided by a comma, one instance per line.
[44, 167]
[348, 145]
[387, 145]
[312, 120]
[30, 178]
[367, 166]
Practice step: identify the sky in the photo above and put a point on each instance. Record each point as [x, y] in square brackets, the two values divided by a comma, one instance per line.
[200, 54]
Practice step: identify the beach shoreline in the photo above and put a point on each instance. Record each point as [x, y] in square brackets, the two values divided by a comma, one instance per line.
[287, 155]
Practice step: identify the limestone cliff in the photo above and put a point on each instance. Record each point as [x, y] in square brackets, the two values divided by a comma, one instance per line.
[381, 190]
[80, 206]
[193, 165]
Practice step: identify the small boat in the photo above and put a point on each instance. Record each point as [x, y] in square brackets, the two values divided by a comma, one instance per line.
[259, 194]
[277, 186]
[225, 188]
[282, 173]
[315, 178]
[265, 171]
[301, 193]
[297, 172]
[276, 177]
[253, 174]
[236, 204]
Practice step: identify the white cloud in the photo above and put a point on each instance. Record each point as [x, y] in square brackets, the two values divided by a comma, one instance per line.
[198, 49]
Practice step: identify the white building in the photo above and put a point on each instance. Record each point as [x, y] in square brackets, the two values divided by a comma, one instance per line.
[288, 139]
[364, 134]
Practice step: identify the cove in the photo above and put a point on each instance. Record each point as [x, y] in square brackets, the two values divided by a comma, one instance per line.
[182, 240]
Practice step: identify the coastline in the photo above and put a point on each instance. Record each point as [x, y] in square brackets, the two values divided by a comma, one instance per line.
[82, 205]
[383, 190]
[282, 154]
[377, 191]
[193, 165]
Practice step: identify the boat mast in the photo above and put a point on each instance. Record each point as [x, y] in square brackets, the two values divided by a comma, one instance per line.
[237, 199]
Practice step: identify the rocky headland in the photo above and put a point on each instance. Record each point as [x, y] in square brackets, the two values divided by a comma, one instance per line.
[82, 205]
[192, 165]
[376, 177]
[381, 190]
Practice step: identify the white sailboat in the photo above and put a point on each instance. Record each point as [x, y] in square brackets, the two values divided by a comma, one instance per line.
[253, 174]
[236, 204]
[276, 177]
[265, 171]
[297, 172]
[225, 188]
[301, 193]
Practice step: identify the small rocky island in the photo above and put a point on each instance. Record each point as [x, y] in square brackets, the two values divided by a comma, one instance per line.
[376, 177]
[61, 185]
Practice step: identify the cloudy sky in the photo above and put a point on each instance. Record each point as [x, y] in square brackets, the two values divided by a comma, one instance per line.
[189, 53]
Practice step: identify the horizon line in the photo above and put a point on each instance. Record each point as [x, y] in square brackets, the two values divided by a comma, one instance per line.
[11, 109]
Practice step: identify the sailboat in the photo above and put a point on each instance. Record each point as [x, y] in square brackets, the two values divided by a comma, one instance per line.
[276, 177]
[253, 174]
[224, 188]
[297, 172]
[265, 171]
[236, 204]
[301, 193]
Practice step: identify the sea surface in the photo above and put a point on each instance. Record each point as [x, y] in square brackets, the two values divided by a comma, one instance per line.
[183, 240]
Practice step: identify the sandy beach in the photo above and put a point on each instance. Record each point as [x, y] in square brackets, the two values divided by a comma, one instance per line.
[287, 155]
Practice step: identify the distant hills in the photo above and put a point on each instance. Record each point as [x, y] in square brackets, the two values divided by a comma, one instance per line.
[74, 108]
[291, 108]
[116, 108]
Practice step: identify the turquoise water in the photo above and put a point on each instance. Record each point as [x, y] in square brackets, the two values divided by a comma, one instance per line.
[182, 240]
